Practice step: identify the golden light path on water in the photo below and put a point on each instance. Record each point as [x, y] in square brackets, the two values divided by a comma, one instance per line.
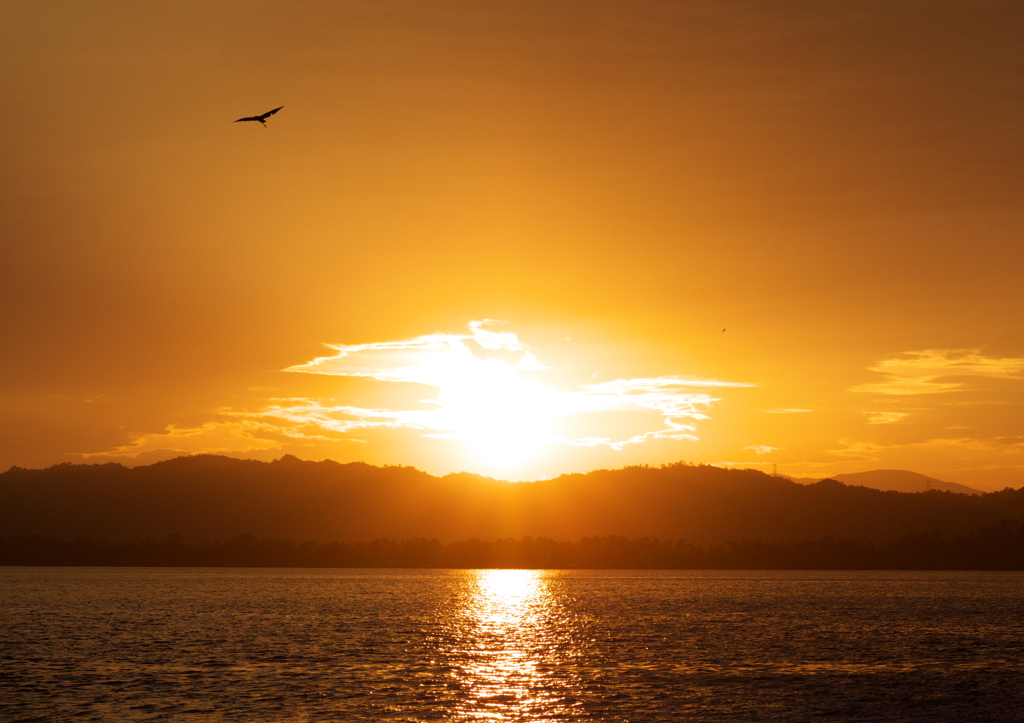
[516, 646]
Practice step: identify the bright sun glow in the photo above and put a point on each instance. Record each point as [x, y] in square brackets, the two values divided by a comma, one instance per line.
[491, 395]
[499, 416]
[494, 396]
[484, 390]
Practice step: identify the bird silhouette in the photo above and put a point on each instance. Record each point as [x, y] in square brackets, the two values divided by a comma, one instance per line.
[261, 118]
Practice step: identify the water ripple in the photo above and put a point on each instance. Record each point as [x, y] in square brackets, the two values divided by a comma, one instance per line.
[508, 645]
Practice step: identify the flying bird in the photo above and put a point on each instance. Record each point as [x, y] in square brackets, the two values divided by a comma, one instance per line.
[261, 118]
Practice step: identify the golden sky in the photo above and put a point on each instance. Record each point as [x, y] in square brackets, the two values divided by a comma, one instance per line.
[506, 237]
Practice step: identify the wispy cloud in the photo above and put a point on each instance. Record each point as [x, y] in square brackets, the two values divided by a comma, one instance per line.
[885, 417]
[762, 448]
[787, 411]
[864, 451]
[489, 382]
[434, 359]
[487, 388]
[224, 434]
[934, 371]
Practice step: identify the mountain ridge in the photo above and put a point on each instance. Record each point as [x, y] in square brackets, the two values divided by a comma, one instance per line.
[206, 497]
[901, 480]
[892, 480]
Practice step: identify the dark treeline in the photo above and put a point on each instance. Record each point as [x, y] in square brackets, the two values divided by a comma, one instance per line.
[993, 548]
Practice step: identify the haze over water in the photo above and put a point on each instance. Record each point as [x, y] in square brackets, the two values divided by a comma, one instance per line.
[100, 644]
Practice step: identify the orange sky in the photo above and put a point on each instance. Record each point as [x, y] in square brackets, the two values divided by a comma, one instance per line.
[838, 185]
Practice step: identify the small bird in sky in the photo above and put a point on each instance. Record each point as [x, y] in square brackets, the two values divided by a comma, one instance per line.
[261, 118]
[723, 329]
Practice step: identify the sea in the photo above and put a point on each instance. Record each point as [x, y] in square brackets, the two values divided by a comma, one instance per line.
[209, 644]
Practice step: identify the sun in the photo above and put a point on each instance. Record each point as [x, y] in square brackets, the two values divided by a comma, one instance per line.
[486, 391]
[502, 419]
[490, 392]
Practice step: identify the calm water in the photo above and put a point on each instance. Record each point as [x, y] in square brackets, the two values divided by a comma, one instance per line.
[119, 644]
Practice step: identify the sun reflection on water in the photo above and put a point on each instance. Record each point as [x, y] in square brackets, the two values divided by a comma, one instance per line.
[514, 649]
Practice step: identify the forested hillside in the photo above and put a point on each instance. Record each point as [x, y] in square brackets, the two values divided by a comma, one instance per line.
[207, 497]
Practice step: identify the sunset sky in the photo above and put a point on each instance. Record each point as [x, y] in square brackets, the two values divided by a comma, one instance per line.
[516, 238]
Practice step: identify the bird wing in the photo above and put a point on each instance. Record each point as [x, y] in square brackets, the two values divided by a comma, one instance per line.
[269, 113]
[245, 119]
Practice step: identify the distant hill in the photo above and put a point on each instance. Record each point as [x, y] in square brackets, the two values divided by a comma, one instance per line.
[892, 480]
[804, 480]
[209, 497]
[901, 480]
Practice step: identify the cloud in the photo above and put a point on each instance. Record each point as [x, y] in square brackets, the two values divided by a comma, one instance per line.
[434, 359]
[935, 371]
[222, 435]
[864, 451]
[762, 448]
[489, 382]
[488, 389]
[786, 411]
[885, 417]
[307, 417]
[940, 390]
